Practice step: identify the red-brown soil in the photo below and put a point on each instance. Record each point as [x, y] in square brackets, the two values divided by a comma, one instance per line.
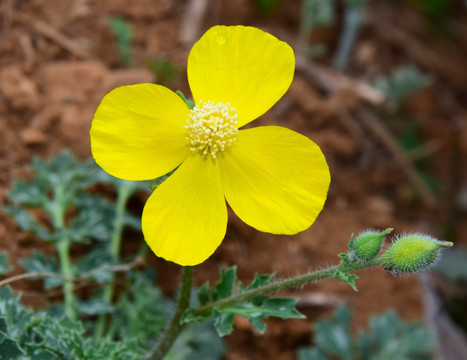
[50, 88]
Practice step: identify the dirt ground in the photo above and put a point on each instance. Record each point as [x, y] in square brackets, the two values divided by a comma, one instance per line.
[58, 58]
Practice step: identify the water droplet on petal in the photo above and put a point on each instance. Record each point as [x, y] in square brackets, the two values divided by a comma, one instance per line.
[221, 39]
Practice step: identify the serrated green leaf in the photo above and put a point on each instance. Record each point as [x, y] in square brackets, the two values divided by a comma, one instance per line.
[10, 350]
[98, 256]
[258, 280]
[311, 353]
[27, 223]
[334, 337]
[223, 289]
[4, 267]
[32, 194]
[388, 338]
[223, 322]
[94, 220]
[94, 306]
[143, 312]
[255, 310]
[197, 341]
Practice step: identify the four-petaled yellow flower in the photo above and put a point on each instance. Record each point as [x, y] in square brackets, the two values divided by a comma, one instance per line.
[274, 179]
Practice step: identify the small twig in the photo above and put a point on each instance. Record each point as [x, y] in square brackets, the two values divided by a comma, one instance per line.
[53, 34]
[377, 129]
[331, 81]
[113, 268]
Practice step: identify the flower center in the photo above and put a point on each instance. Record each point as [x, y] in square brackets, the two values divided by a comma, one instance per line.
[211, 127]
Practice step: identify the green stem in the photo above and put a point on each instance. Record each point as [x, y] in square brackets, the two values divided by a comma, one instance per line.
[66, 267]
[175, 326]
[352, 23]
[124, 193]
[277, 286]
[63, 248]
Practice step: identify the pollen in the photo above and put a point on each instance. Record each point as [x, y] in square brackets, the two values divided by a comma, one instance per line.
[212, 127]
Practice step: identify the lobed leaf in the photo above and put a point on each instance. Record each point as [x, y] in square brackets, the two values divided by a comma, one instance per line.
[255, 310]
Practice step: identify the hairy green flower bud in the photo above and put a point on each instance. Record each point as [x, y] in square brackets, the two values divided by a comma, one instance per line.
[368, 243]
[413, 252]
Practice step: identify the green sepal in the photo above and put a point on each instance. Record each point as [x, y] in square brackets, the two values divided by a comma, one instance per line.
[367, 244]
[156, 182]
[190, 103]
[347, 278]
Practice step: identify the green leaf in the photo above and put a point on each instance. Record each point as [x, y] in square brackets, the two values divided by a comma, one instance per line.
[402, 83]
[9, 349]
[223, 289]
[255, 310]
[311, 353]
[58, 185]
[387, 338]
[4, 267]
[97, 257]
[94, 306]
[27, 223]
[197, 341]
[124, 35]
[223, 322]
[334, 337]
[142, 313]
[94, 220]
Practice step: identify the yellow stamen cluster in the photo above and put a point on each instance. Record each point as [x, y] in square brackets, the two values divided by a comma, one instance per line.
[211, 127]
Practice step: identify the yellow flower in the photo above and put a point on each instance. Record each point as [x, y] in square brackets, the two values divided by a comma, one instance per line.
[274, 179]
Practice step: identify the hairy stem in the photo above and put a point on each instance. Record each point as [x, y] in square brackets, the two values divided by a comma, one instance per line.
[124, 193]
[175, 326]
[295, 281]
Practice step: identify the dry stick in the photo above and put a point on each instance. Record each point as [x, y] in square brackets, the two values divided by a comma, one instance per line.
[114, 268]
[332, 81]
[378, 130]
[53, 34]
[192, 20]
[443, 59]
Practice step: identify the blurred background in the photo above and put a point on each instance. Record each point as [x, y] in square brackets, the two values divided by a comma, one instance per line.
[380, 85]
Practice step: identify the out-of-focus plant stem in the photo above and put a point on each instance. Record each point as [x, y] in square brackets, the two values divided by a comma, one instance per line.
[175, 326]
[353, 20]
[123, 194]
[63, 248]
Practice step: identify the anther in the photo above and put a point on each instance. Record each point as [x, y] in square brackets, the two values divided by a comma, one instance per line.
[211, 127]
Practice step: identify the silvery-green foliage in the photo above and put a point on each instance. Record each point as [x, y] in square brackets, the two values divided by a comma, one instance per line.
[388, 337]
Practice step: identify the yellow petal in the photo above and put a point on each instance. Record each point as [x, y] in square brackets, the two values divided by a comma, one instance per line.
[243, 66]
[275, 179]
[137, 132]
[185, 219]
